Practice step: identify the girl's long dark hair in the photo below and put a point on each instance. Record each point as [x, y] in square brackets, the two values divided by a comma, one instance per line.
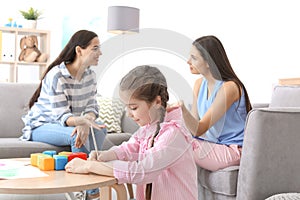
[213, 52]
[82, 39]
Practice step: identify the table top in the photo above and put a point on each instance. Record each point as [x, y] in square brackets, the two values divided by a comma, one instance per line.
[56, 182]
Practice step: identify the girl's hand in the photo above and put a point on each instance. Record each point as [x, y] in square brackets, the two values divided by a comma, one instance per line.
[103, 156]
[77, 166]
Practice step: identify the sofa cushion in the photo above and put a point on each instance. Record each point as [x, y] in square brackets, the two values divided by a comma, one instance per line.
[285, 96]
[223, 181]
[14, 103]
[15, 148]
[115, 139]
[110, 113]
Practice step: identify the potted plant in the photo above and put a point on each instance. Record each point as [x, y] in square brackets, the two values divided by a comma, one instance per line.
[32, 15]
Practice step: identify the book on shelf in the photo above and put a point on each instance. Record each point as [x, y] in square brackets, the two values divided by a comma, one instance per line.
[289, 81]
[7, 46]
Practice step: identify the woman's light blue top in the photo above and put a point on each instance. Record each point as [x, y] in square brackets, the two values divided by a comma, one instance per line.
[229, 129]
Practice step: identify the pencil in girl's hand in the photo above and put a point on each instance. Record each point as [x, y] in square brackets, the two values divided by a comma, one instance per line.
[94, 140]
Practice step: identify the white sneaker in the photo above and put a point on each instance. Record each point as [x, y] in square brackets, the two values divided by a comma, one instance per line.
[76, 195]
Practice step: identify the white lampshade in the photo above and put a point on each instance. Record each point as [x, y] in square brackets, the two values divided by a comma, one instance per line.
[123, 19]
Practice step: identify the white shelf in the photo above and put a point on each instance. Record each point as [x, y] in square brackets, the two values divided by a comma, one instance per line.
[10, 47]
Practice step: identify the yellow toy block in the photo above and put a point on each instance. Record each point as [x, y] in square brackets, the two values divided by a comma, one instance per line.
[65, 153]
[40, 157]
[34, 159]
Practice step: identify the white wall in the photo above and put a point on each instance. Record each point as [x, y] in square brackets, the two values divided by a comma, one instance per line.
[261, 36]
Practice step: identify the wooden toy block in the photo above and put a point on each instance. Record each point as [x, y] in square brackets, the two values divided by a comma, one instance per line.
[60, 161]
[34, 159]
[77, 155]
[65, 153]
[39, 158]
[50, 152]
[46, 163]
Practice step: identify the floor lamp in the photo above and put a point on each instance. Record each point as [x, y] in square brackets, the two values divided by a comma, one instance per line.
[123, 20]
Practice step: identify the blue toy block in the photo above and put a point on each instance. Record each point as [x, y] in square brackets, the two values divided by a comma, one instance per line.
[59, 162]
[50, 152]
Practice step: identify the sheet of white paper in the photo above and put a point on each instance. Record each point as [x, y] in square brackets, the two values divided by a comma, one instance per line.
[16, 169]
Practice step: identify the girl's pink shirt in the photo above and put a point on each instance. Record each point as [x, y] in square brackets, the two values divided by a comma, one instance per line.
[169, 165]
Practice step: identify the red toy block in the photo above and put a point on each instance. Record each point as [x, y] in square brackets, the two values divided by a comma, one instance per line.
[77, 155]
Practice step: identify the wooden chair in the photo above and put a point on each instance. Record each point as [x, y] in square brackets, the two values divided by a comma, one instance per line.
[130, 190]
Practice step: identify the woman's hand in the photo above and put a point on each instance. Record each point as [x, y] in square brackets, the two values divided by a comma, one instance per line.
[103, 156]
[77, 166]
[87, 120]
[82, 132]
[82, 128]
[174, 106]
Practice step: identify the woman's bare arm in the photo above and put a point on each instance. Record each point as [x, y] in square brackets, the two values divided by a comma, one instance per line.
[226, 96]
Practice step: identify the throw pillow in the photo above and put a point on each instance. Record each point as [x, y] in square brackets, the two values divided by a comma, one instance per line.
[110, 113]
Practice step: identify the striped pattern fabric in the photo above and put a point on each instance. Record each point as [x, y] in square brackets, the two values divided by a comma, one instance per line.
[62, 96]
[110, 113]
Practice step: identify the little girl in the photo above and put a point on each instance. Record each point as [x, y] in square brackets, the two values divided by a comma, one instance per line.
[158, 158]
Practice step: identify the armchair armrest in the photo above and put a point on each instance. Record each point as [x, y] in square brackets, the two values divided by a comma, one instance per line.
[270, 161]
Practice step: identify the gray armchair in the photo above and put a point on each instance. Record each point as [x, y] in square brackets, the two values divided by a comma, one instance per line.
[270, 161]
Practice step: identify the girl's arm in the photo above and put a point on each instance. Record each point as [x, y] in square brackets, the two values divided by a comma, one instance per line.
[170, 146]
[104, 166]
[80, 166]
[127, 151]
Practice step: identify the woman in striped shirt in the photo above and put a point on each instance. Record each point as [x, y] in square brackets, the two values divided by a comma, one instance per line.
[158, 158]
[64, 107]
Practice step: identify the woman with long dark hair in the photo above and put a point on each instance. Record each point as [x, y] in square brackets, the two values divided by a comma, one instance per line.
[63, 109]
[220, 106]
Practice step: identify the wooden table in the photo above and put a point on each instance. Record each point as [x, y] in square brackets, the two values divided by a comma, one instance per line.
[63, 182]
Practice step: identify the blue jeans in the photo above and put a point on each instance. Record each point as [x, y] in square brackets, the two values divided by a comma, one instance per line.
[59, 135]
